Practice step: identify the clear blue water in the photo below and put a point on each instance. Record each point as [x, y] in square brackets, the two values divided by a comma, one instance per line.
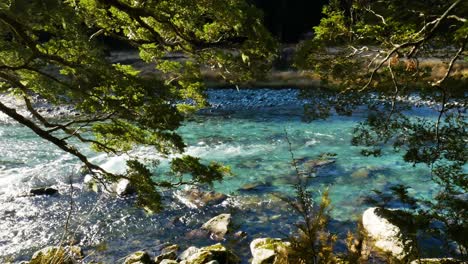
[251, 141]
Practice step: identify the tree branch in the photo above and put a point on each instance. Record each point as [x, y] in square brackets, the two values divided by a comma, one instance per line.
[56, 141]
[452, 62]
[415, 44]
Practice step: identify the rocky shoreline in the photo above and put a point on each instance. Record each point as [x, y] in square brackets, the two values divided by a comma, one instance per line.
[247, 99]
[383, 239]
[220, 100]
[384, 242]
[230, 100]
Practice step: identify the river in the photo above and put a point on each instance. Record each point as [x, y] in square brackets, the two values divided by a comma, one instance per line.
[245, 130]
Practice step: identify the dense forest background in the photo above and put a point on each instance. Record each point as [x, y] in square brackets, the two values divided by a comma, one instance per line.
[290, 20]
[390, 59]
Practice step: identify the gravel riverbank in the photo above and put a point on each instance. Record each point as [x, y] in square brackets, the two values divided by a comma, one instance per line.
[232, 99]
[219, 99]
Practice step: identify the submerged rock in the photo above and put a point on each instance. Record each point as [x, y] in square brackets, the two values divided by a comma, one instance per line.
[254, 186]
[240, 235]
[361, 173]
[313, 164]
[197, 198]
[387, 236]
[269, 251]
[197, 234]
[139, 257]
[250, 164]
[52, 255]
[218, 226]
[43, 191]
[365, 172]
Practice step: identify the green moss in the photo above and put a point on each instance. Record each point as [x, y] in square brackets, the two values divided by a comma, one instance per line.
[55, 255]
[139, 257]
[200, 257]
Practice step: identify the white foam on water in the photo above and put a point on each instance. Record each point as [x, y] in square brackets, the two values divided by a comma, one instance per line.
[30, 222]
[324, 135]
[18, 180]
[225, 150]
[116, 165]
[312, 142]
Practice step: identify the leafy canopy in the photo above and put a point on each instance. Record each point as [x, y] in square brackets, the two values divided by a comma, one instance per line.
[383, 54]
[51, 49]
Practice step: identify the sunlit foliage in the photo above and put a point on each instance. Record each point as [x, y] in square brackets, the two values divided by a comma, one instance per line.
[390, 55]
[50, 49]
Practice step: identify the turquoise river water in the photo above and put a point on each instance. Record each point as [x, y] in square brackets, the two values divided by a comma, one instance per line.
[251, 140]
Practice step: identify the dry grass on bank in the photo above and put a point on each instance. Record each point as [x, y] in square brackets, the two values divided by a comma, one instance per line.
[282, 78]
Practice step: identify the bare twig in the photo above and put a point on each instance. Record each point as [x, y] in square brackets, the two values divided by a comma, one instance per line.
[377, 15]
[452, 63]
[414, 44]
[293, 159]
[97, 33]
[460, 19]
[394, 97]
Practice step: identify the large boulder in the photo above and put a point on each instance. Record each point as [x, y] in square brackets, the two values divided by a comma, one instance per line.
[210, 254]
[53, 255]
[386, 235]
[218, 226]
[139, 257]
[269, 251]
[197, 198]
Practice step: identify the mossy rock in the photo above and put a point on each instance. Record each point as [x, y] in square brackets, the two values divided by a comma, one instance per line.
[56, 255]
[172, 255]
[139, 257]
[201, 257]
[215, 252]
[269, 251]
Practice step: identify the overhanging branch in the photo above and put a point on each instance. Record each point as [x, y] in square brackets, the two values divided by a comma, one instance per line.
[62, 144]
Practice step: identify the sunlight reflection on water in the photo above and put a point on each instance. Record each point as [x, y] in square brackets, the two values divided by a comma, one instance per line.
[251, 142]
